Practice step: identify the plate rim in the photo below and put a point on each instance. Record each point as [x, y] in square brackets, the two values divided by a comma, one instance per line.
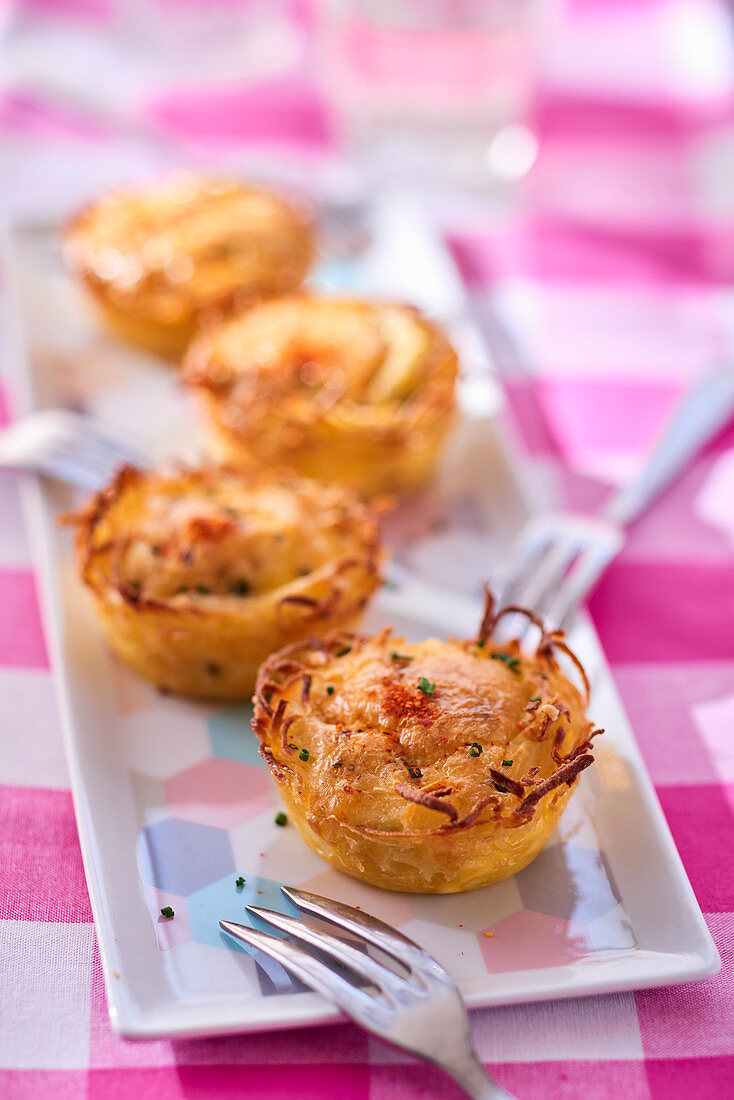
[214, 1016]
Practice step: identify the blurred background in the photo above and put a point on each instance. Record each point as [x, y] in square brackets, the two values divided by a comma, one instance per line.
[435, 94]
[577, 155]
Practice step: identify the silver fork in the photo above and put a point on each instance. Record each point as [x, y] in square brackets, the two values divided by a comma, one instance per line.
[421, 1012]
[66, 445]
[557, 558]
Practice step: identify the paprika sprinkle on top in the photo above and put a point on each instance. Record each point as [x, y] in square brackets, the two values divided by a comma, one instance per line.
[407, 704]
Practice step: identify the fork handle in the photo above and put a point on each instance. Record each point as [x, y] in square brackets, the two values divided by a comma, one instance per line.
[701, 413]
[471, 1075]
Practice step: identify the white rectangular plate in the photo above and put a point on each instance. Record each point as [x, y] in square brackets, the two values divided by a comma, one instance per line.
[172, 800]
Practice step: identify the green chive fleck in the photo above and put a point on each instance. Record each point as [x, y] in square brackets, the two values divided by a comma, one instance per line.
[240, 588]
[292, 745]
[415, 773]
[506, 763]
[475, 749]
[481, 643]
[400, 657]
[426, 686]
[511, 662]
[239, 882]
[203, 590]
[534, 698]
[329, 689]
[304, 754]
[166, 911]
[281, 819]
[343, 652]
[502, 790]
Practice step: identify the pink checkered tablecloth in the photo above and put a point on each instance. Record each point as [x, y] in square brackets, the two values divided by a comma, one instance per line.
[614, 285]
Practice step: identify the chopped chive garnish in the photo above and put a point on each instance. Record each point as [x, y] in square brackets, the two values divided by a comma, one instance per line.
[475, 749]
[343, 652]
[240, 588]
[400, 657]
[304, 754]
[166, 911]
[482, 642]
[506, 763]
[511, 662]
[181, 590]
[502, 790]
[426, 686]
[534, 698]
[281, 819]
[239, 882]
[203, 590]
[292, 745]
[329, 689]
[415, 773]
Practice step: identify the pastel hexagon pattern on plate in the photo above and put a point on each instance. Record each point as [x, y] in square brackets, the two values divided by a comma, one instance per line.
[575, 827]
[132, 694]
[183, 856]
[219, 792]
[459, 952]
[231, 736]
[149, 795]
[170, 931]
[566, 881]
[533, 941]
[274, 851]
[163, 741]
[223, 900]
[201, 968]
[612, 932]
[394, 908]
[472, 911]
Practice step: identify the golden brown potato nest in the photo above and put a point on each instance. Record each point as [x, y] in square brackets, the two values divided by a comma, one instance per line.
[432, 767]
[159, 259]
[198, 575]
[329, 387]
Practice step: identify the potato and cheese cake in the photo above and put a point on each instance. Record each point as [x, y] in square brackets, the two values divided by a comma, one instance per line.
[198, 575]
[341, 388]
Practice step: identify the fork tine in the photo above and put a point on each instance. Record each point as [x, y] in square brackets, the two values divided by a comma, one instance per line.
[358, 961]
[586, 569]
[80, 469]
[553, 567]
[368, 928]
[84, 453]
[67, 470]
[312, 972]
[112, 449]
[90, 442]
[525, 554]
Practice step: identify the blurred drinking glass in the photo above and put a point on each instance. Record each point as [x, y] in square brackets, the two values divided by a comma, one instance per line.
[434, 89]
